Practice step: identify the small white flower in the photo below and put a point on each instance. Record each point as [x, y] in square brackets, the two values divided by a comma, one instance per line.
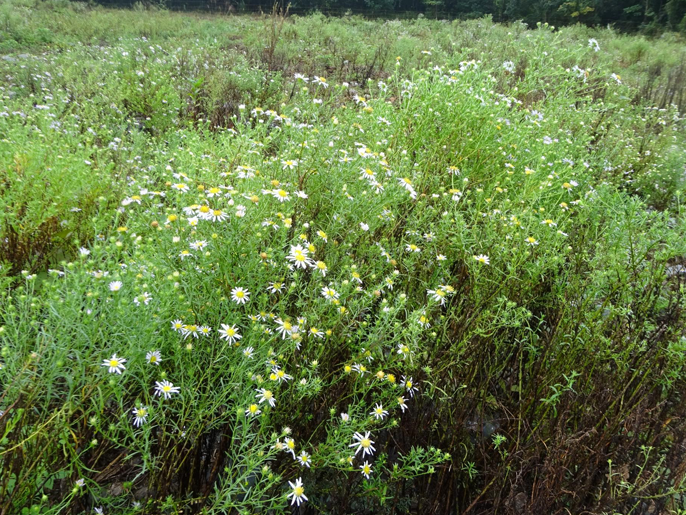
[363, 443]
[252, 411]
[230, 333]
[165, 388]
[266, 396]
[297, 496]
[153, 357]
[145, 298]
[304, 459]
[329, 293]
[240, 295]
[115, 365]
[366, 469]
[140, 414]
[378, 412]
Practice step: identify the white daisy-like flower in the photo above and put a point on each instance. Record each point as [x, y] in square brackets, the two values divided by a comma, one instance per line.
[289, 446]
[403, 350]
[115, 365]
[144, 298]
[275, 287]
[267, 396]
[297, 494]
[153, 357]
[253, 410]
[378, 412]
[304, 459]
[140, 414]
[165, 388]
[229, 333]
[438, 295]
[280, 376]
[329, 293]
[321, 81]
[299, 258]
[285, 328]
[280, 194]
[115, 285]
[409, 386]
[366, 469]
[240, 295]
[190, 330]
[363, 443]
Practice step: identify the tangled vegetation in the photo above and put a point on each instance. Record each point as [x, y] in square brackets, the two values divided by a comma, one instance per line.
[309, 265]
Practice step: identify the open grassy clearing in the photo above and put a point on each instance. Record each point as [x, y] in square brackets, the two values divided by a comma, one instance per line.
[420, 267]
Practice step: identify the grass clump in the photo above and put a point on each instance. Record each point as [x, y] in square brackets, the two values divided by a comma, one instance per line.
[440, 281]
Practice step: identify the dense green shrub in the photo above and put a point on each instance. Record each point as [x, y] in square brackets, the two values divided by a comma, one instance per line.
[462, 241]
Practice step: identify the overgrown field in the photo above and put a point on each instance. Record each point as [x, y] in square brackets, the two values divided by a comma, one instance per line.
[297, 264]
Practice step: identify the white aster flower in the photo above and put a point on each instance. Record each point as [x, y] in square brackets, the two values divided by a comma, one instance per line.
[297, 495]
[115, 365]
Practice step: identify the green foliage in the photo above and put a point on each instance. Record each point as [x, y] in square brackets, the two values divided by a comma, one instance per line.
[409, 267]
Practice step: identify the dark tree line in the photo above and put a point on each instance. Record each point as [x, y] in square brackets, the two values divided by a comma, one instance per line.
[649, 16]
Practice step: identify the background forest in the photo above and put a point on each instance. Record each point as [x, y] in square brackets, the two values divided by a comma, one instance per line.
[648, 16]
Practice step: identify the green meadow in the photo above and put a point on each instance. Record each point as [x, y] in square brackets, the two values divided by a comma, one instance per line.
[298, 264]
